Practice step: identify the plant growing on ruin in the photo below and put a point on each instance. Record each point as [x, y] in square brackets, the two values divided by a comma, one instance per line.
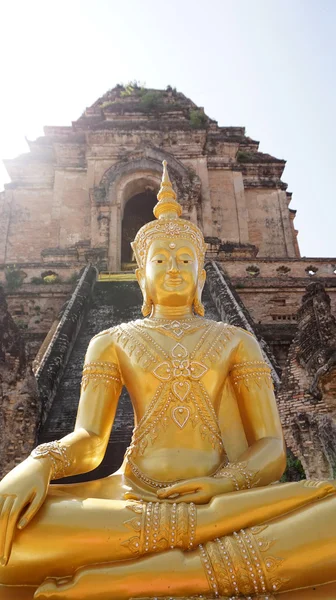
[169, 88]
[132, 87]
[197, 118]
[150, 101]
[253, 270]
[14, 278]
[46, 278]
[21, 324]
[50, 279]
[244, 157]
[107, 103]
[294, 469]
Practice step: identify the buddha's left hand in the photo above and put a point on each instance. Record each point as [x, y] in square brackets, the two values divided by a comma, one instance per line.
[199, 490]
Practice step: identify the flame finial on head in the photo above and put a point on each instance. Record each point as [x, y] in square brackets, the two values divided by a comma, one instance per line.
[168, 225]
[167, 206]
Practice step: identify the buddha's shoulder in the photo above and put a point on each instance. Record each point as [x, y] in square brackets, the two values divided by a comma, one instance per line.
[113, 334]
[237, 334]
[245, 341]
[101, 347]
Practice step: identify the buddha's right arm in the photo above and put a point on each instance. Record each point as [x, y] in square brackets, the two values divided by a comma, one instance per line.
[84, 449]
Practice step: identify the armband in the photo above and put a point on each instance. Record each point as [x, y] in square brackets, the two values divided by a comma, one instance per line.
[100, 372]
[248, 372]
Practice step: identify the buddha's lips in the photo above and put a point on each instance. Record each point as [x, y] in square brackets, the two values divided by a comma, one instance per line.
[171, 280]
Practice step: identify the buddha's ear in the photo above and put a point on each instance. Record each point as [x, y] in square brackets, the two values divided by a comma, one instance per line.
[147, 305]
[201, 279]
[140, 275]
[198, 306]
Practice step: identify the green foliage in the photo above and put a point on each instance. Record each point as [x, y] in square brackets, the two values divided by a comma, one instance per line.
[240, 285]
[107, 103]
[244, 157]
[51, 279]
[132, 87]
[150, 101]
[294, 470]
[169, 88]
[21, 324]
[253, 270]
[14, 278]
[197, 119]
[191, 173]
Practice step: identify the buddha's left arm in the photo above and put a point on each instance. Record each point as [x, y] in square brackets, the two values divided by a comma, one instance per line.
[265, 459]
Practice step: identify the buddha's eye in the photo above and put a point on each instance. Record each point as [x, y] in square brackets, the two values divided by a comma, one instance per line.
[159, 260]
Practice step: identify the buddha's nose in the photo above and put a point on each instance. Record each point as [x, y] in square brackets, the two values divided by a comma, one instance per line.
[172, 265]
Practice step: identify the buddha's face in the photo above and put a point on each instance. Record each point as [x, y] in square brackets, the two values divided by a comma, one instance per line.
[171, 273]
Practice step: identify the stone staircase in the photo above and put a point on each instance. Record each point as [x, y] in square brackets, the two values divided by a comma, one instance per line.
[112, 303]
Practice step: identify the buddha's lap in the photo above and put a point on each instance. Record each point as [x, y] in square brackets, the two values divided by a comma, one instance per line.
[107, 488]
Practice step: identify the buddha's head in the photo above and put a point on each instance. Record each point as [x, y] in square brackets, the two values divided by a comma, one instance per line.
[170, 255]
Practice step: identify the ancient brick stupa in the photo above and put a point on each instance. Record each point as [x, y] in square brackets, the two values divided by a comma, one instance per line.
[83, 190]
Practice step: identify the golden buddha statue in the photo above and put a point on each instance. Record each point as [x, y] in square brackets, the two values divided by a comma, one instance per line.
[192, 511]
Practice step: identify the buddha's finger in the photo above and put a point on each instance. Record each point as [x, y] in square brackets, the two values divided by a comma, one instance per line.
[2, 501]
[177, 489]
[3, 522]
[46, 590]
[152, 498]
[34, 505]
[141, 497]
[8, 518]
[196, 498]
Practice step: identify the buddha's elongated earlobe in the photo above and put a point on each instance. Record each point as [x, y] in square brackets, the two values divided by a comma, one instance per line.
[198, 306]
[147, 304]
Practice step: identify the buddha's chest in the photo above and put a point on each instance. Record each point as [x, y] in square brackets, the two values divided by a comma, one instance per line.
[174, 356]
[174, 382]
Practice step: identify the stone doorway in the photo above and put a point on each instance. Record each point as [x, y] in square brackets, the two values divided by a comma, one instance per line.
[137, 212]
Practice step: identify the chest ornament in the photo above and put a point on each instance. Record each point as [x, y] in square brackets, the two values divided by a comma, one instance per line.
[179, 370]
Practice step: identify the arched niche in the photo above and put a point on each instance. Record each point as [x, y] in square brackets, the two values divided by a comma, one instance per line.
[138, 210]
[130, 190]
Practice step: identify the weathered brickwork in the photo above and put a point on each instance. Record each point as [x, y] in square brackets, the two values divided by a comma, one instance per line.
[20, 407]
[71, 188]
[307, 398]
[66, 202]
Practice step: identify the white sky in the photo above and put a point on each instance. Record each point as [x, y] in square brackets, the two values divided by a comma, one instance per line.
[268, 65]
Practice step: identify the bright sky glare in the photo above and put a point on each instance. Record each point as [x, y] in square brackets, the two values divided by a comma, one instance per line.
[268, 65]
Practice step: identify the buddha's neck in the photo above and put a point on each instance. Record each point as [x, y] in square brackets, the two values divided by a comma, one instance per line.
[171, 312]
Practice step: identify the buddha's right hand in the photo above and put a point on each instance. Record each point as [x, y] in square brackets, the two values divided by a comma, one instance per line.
[22, 493]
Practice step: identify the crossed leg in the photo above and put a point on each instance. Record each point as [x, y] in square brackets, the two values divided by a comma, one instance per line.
[70, 530]
[302, 555]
